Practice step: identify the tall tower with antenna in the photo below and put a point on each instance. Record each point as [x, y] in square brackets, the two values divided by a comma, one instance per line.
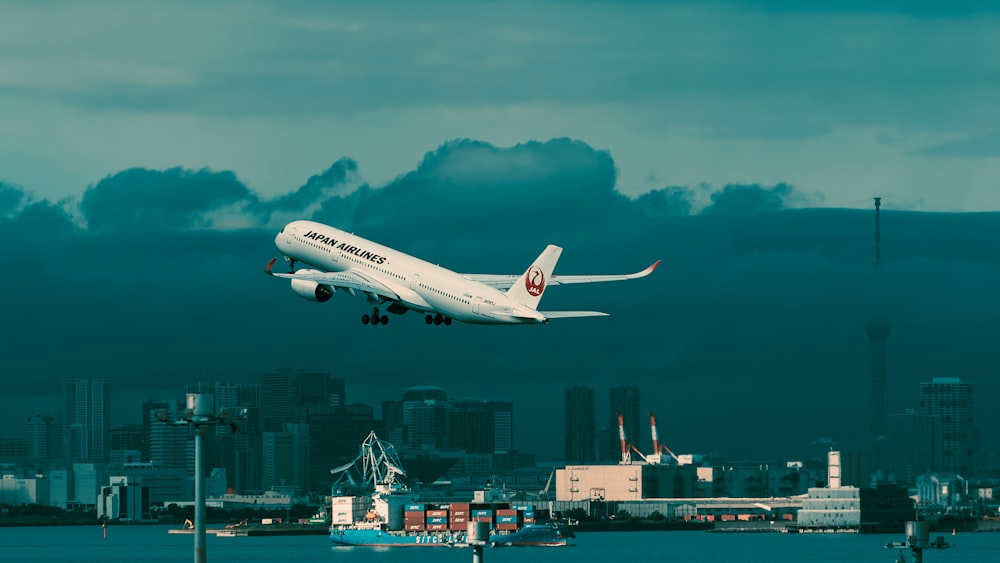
[878, 233]
[878, 335]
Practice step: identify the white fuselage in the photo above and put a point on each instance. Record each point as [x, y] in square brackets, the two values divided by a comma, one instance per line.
[421, 286]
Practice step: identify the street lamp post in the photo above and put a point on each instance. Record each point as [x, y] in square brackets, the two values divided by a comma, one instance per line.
[200, 413]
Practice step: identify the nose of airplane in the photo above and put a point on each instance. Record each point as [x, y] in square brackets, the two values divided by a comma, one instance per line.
[284, 237]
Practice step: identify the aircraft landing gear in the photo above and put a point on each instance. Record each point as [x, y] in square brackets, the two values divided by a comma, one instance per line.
[437, 319]
[291, 264]
[375, 319]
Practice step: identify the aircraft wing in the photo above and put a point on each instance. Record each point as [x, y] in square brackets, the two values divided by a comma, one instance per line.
[351, 280]
[503, 281]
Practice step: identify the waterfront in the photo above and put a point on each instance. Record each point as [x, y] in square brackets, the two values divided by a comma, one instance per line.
[85, 544]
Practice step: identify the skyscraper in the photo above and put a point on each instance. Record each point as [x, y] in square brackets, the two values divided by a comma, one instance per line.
[87, 419]
[45, 437]
[581, 427]
[425, 411]
[286, 458]
[624, 400]
[168, 443]
[481, 426]
[911, 443]
[878, 335]
[288, 392]
[949, 401]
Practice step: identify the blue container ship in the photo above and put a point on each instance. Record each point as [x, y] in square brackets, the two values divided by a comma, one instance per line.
[393, 516]
[549, 535]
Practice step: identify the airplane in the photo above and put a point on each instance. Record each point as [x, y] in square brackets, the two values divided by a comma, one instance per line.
[343, 261]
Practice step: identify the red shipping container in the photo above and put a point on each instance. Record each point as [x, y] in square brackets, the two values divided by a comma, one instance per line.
[506, 512]
[437, 513]
[411, 527]
[437, 527]
[460, 512]
[507, 527]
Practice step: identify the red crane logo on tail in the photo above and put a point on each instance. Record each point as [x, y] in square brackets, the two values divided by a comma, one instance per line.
[534, 282]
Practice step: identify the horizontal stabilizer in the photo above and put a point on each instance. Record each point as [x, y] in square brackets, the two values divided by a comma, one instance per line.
[571, 314]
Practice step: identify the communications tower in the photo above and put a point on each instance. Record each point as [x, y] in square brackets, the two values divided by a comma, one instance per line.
[878, 335]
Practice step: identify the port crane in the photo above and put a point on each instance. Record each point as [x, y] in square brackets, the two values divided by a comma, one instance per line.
[659, 449]
[544, 493]
[376, 467]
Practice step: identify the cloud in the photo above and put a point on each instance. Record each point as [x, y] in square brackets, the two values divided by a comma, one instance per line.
[665, 202]
[739, 199]
[757, 302]
[978, 146]
[176, 198]
[11, 199]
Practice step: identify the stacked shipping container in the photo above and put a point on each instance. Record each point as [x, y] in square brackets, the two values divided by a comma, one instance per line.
[421, 517]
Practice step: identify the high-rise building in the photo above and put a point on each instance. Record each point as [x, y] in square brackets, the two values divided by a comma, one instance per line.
[86, 419]
[287, 394]
[286, 458]
[13, 447]
[878, 336]
[392, 420]
[247, 453]
[581, 427]
[236, 395]
[44, 437]
[624, 400]
[126, 444]
[170, 445]
[481, 426]
[949, 401]
[425, 411]
[911, 444]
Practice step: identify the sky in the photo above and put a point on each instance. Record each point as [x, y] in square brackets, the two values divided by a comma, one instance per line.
[149, 153]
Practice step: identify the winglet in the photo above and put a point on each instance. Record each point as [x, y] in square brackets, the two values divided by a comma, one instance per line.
[650, 269]
[270, 266]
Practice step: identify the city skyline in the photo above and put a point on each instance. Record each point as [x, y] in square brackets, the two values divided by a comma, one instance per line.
[941, 436]
[137, 253]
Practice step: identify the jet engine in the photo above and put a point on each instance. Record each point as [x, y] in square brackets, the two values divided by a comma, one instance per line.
[311, 290]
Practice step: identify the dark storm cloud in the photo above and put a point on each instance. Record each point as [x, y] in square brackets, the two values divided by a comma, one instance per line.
[11, 198]
[317, 188]
[665, 202]
[737, 199]
[757, 313]
[155, 199]
[534, 192]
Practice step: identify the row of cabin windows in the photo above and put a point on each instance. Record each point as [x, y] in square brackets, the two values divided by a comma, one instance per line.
[448, 295]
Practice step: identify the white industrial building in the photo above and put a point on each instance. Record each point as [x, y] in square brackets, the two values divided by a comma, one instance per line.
[121, 500]
[625, 482]
[833, 507]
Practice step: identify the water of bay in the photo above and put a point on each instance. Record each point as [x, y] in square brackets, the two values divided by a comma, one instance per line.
[85, 544]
